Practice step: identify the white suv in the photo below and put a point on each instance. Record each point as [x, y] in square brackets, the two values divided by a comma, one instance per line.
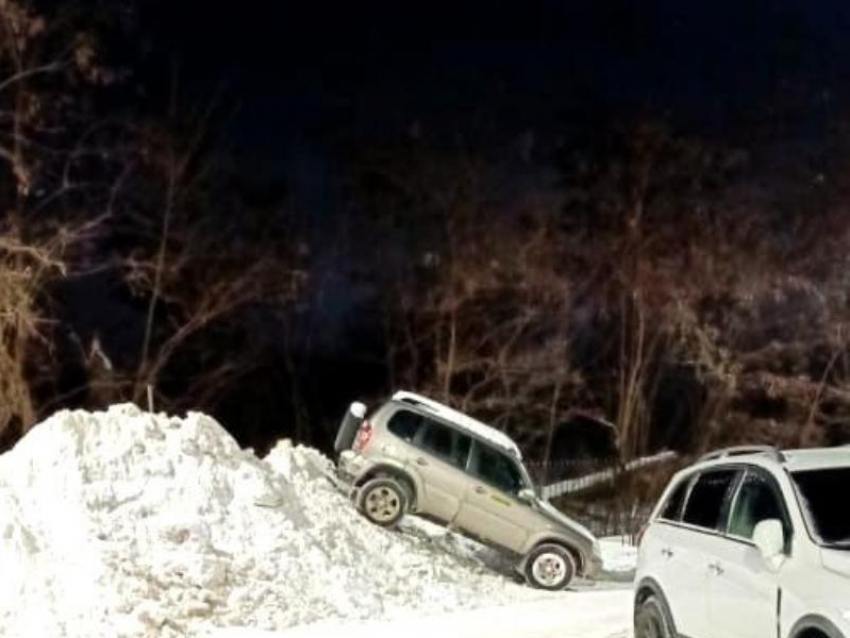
[749, 543]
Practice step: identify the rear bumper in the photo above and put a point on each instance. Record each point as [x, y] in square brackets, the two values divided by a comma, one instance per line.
[351, 466]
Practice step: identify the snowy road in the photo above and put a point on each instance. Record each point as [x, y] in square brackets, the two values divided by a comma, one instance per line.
[582, 614]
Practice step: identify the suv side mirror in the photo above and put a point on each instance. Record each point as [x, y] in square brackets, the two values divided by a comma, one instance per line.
[526, 495]
[769, 538]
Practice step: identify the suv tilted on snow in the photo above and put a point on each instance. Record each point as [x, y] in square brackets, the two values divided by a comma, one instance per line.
[416, 455]
[749, 543]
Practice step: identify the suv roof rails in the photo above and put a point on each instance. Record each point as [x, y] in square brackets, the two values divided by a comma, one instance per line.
[479, 429]
[742, 450]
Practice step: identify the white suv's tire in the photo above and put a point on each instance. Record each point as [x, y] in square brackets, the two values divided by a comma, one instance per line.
[651, 620]
[550, 567]
[383, 501]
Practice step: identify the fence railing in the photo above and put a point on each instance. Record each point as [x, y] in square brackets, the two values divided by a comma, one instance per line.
[603, 475]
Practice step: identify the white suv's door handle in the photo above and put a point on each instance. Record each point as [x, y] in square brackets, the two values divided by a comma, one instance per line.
[479, 490]
[667, 552]
[421, 461]
[716, 568]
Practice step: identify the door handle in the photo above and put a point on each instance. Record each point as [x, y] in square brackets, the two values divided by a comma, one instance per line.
[667, 552]
[421, 461]
[716, 568]
[479, 490]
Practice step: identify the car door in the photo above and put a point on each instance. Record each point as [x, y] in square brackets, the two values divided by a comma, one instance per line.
[491, 510]
[688, 548]
[743, 587]
[440, 461]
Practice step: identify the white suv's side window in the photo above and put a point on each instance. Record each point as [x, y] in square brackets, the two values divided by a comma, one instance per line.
[672, 510]
[757, 501]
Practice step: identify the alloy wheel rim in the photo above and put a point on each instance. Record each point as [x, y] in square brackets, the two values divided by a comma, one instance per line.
[549, 569]
[382, 504]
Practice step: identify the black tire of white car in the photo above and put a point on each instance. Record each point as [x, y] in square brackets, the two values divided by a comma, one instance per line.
[383, 501]
[550, 567]
[651, 620]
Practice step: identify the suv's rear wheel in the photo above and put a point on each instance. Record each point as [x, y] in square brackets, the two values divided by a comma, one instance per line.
[651, 621]
[383, 501]
[550, 567]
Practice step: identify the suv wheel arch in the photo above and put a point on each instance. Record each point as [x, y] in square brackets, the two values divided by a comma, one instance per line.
[649, 588]
[814, 627]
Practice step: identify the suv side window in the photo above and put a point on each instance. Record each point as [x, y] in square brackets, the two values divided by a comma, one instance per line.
[497, 469]
[405, 424]
[446, 443]
[708, 501]
[757, 501]
[673, 507]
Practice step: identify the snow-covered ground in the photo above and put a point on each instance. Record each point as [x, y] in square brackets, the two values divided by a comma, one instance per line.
[588, 614]
[127, 524]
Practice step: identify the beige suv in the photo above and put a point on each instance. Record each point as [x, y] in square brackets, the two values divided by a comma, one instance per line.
[414, 455]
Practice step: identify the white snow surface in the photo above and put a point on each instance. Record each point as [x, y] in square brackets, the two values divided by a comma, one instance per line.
[128, 524]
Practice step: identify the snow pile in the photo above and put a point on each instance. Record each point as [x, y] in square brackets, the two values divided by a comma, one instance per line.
[123, 523]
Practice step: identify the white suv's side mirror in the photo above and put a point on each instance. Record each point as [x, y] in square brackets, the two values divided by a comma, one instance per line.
[769, 538]
[526, 495]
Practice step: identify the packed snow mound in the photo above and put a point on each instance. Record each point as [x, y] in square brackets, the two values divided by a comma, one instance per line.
[125, 523]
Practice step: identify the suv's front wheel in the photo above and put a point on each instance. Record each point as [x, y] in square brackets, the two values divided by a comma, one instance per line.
[383, 501]
[550, 567]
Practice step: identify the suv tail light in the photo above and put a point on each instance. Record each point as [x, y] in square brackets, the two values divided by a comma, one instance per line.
[364, 435]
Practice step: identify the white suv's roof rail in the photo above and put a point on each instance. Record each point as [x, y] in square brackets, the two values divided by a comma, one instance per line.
[482, 430]
[743, 450]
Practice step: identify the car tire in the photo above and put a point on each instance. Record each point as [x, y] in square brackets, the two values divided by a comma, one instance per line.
[383, 501]
[651, 620]
[550, 567]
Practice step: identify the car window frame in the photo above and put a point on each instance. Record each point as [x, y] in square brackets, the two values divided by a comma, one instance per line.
[741, 469]
[773, 484]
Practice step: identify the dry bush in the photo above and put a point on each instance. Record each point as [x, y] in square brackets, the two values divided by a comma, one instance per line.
[25, 270]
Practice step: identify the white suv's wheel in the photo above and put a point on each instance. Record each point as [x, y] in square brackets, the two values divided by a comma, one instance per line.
[383, 501]
[550, 567]
[651, 621]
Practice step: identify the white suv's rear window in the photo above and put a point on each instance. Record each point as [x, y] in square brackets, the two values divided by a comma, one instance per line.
[672, 509]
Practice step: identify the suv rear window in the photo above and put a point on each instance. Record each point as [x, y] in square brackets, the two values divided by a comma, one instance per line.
[405, 424]
[708, 499]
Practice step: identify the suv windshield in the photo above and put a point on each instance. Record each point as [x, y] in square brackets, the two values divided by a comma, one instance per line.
[822, 494]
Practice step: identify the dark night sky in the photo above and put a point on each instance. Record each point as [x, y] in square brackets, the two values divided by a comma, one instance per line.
[299, 67]
[302, 77]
